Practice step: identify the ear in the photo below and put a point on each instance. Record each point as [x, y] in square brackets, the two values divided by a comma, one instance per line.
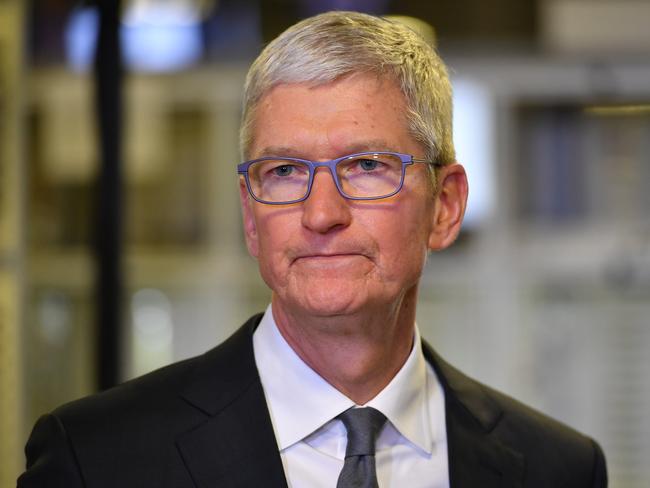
[250, 226]
[450, 203]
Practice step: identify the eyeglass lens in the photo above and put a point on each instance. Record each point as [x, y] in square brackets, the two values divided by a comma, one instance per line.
[363, 176]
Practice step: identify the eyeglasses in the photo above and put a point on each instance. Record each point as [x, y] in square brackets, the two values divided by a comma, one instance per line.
[362, 176]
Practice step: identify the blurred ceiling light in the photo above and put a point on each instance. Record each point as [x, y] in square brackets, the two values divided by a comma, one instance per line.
[165, 12]
[161, 35]
[80, 38]
[618, 110]
[156, 35]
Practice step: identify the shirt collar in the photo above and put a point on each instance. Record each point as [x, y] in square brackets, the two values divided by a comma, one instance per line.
[300, 401]
[404, 400]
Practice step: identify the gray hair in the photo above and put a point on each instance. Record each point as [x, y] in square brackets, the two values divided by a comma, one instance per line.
[326, 47]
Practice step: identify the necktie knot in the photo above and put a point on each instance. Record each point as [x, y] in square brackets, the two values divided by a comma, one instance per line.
[363, 426]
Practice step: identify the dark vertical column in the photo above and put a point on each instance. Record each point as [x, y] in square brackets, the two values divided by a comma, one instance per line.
[108, 222]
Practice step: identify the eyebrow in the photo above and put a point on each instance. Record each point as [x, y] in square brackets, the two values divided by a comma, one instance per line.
[379, 145]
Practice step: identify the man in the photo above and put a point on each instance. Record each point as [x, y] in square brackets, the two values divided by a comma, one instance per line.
[350, 181]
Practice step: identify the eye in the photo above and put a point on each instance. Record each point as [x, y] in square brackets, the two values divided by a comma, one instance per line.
[368, 164]
[284, 170]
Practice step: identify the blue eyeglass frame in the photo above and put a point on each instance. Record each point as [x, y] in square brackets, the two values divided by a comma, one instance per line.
[406, 159]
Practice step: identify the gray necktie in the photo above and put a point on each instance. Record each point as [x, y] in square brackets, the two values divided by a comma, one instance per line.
[363, 426]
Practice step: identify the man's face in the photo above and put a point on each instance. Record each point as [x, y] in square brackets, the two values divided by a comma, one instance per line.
[328, 255]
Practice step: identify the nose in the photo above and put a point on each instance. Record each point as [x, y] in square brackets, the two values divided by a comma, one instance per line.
[325, 208]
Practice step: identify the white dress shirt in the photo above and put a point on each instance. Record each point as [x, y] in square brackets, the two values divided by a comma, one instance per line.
[411, 449]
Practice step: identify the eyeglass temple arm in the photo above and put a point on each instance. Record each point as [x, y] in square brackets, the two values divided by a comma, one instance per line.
[426, 161]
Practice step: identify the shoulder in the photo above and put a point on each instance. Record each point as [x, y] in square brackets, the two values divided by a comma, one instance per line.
[535, 432]
[159, 388]
[82, 442]
[169, 391]
[172, 395]
[136, 425]
[550, 450]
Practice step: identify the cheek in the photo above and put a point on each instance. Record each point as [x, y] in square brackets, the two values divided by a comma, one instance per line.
[274, 239]
[271, 268]
[400, 244]
[409, 259]
[404, 243]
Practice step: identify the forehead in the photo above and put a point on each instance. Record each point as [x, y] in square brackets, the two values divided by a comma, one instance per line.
[354, 113]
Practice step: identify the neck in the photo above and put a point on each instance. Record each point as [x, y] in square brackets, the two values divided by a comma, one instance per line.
[359, 353]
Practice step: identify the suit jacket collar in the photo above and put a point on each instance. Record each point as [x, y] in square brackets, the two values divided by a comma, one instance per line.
[477, 457]
[235, 410]
[234, 446]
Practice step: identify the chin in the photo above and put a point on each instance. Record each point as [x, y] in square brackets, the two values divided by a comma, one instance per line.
[327, 300]
[320, 306]
[332, 302]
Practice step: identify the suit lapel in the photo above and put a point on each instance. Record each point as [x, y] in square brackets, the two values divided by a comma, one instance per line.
[235, 444]
[476, 457]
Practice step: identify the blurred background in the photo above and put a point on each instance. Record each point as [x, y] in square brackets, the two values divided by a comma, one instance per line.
[121, 246]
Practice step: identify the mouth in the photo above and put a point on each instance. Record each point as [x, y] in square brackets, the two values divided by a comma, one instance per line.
[328, 259]
[328, 256]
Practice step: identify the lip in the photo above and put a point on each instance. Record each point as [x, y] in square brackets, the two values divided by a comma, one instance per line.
[328, 255]
[328, 258]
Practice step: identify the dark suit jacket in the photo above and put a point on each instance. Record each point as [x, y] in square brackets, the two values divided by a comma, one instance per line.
[204, 423]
